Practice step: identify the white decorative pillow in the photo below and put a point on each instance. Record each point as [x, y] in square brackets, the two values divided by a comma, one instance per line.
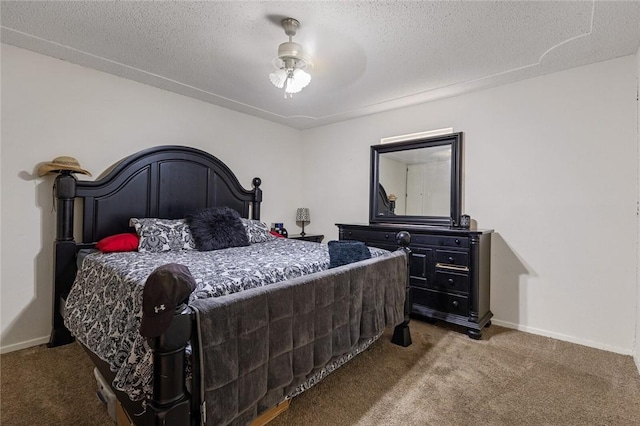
[257, 231]
[158, 235]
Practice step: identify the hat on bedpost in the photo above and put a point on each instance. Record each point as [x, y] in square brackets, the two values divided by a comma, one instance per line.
[166, 288]
[60, 164]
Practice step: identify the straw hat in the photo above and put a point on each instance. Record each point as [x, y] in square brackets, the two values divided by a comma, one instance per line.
[62, 163]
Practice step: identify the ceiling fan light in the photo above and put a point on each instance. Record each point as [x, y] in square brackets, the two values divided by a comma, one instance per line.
[295, 84]
[278, 78]
[292, 87]
[301, 77]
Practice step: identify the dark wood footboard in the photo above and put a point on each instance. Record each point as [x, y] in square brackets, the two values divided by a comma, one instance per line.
[171, 403]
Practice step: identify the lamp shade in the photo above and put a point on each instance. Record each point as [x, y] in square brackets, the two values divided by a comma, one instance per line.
[302, 215]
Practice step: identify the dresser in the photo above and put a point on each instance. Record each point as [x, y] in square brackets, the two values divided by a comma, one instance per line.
[449, 273]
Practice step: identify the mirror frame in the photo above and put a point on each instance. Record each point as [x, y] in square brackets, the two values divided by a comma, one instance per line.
[455, 210]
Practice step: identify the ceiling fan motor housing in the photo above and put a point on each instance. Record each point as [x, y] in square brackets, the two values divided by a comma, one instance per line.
[290, 49]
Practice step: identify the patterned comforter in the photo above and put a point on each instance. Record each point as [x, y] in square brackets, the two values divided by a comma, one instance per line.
[104, 307]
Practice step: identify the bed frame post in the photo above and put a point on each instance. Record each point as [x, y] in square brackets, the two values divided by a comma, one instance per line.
[171, 404]
[402, 334]
[257, 198]
[65, 255]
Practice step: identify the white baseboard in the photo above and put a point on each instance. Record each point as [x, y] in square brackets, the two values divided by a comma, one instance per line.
[565, 338]
[636, 358]
[24, 345]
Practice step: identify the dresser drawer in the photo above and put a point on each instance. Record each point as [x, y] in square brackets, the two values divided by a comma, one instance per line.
[449, 257]
[449, 281]
[419, 267]
[370, 236]
[436, 240]
[440, 301]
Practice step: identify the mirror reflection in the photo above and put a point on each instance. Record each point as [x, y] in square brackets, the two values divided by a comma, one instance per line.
[415, 182]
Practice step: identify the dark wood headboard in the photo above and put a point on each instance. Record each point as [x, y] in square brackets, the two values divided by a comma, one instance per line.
[165, 182]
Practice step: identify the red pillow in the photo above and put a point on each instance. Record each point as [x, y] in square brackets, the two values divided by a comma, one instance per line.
[118, 242]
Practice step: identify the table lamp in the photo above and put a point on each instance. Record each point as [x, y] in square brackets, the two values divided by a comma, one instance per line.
[303, 216]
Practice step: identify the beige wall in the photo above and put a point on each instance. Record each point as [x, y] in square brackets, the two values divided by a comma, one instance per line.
[52, 108]
[551, 164]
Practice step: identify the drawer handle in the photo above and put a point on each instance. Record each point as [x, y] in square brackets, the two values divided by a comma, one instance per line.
[350, 233]
[451, 260]
[386, 236]
[450, 280]
[457, 241]
[455, 303]
[452, 267]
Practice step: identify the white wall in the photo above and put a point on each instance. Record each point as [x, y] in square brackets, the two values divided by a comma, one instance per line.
[551, 164]
[52, 108]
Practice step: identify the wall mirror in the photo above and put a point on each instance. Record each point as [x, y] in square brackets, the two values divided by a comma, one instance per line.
[417, 181]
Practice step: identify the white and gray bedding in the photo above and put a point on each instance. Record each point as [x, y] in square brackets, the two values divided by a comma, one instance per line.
[103, 309]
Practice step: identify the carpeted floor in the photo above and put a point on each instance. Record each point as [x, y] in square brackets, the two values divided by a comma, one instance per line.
[42, 386]
[444, 378]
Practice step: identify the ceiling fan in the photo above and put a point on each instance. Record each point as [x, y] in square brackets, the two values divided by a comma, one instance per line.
[291, 63]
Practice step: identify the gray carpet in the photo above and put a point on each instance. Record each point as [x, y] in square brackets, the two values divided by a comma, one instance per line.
[444, 378]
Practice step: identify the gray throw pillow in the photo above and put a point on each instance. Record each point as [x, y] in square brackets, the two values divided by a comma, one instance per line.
[217, 228]
[343, 252]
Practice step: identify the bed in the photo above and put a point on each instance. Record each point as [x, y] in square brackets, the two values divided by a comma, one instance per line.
[151, 184]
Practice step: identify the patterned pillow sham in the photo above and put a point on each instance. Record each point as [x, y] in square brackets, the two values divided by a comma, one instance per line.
[158, 235]
[257, 231]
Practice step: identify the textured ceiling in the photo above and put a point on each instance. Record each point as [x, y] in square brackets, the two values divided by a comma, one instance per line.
[369, 56]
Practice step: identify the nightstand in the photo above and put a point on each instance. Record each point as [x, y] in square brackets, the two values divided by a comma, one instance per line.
[307, 237]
